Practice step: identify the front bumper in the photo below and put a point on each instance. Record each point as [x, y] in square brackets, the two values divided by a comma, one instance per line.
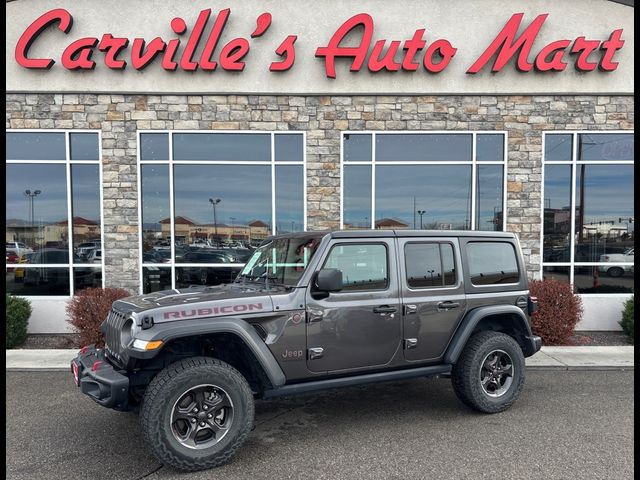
[532, 344]
[100, 381]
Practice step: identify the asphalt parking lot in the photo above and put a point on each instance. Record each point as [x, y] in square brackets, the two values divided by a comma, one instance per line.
[567, 424]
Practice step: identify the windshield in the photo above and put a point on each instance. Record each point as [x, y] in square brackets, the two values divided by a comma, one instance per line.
[281, 261]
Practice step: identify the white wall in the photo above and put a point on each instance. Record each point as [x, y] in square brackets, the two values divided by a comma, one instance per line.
[469, 26]
[48, 316]
[602, 312]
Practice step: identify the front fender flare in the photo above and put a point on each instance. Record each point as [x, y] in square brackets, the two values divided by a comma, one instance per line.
[472, 319]
[168, 331]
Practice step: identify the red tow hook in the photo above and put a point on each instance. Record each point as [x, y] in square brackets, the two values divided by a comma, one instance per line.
[96, 365]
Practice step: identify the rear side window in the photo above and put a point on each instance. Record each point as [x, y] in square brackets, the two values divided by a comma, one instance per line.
[364, 266]
[429, 265]
[492, 263]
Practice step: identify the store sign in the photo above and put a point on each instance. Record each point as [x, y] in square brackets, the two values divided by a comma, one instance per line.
[409, 55]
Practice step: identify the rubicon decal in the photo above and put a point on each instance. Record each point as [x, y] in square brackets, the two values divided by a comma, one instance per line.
[209, 311]
[423, 52]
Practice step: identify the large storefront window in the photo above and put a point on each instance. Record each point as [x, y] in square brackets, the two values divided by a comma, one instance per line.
[53, 223]
[436, 181]
[209, 198]
[588, 228]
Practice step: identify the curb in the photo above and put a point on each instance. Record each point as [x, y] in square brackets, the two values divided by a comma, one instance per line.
[548, 358]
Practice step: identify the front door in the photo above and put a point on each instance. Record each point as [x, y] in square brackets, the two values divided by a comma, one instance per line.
[432, 294]
[359, 326]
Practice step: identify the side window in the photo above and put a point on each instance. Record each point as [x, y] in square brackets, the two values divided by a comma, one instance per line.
[429, 265]
[492, 263]
[364, 266]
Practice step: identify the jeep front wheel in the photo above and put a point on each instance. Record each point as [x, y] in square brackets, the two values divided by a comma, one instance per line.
[489, 374]
[196, 413]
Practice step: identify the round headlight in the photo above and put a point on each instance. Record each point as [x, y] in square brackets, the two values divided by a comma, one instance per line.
[129, 331]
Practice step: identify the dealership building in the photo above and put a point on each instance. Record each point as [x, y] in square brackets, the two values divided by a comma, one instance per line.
[151, 144]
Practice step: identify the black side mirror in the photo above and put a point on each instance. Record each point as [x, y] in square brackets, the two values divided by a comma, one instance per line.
[329, 280]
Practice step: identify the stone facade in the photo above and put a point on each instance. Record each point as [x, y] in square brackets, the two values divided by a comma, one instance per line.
[323, 118]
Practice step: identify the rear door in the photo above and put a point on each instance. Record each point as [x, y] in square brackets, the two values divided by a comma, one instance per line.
[359, 326]
[433, 295]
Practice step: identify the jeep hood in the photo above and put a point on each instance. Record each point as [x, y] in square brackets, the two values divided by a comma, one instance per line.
[194, 302]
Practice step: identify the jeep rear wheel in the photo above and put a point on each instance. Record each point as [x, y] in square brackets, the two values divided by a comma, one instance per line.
[489, 374]
[196, 413]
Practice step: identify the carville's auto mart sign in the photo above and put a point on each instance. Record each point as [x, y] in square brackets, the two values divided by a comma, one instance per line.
[203, 45]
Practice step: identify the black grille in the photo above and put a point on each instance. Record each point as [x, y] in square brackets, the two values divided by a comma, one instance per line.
[115, 321]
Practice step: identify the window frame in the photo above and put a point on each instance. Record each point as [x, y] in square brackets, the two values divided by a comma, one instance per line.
[456, 268]
[170, 162]
[474, 163]
[573, 164]
[387, 259]
[67, 162]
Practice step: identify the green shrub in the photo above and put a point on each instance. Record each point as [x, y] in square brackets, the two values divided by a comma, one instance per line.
[18, 313]
[89, 308]
[559, 310]
[627, 319]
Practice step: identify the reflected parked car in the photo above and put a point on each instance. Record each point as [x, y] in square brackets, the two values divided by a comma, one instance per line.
[617, 270]
[202, 275]
[57, 278]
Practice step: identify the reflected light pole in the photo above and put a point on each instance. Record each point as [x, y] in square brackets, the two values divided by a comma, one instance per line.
[421, 213]
[31, 195]
[215, 223]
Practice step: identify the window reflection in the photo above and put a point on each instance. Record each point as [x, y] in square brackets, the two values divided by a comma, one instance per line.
[609, 146]
[222, 146]
[85, 205]
[489, 147]
[289, 193]
[154, 146]
[84, 146]
[357, 196]
[596, 280]
[357, 147]
[36, 205]
[155, 209]
[557, 213]
[37, 212]
[289, 147]
[489, 191]
[558, 147]
[442, 192]
[604, 211]
[155, 279]
[244, 206]
[432, 147]
[35, 146]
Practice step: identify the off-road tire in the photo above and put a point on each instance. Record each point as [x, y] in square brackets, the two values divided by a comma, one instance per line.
[163, 392]
[465, 374]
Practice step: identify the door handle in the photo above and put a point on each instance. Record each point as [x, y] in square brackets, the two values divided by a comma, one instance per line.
[385, 309]
[447, 305]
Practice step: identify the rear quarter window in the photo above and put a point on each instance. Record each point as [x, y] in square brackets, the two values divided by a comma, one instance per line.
[492, 263]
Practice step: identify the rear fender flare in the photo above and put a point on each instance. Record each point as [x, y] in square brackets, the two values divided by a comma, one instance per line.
[471, 320]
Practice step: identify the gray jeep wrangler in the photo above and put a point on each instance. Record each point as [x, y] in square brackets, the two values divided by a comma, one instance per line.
[312, 311]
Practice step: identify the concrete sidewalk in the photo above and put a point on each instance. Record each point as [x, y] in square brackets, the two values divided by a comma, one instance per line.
[564, 358]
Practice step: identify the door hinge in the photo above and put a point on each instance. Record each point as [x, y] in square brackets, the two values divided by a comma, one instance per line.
[315, 353]
[410, 343]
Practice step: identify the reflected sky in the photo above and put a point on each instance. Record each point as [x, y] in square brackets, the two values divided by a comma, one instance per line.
[35, 146]
[557, 186]
[436, 147]
[357, 195]
[244, 191]
[610, 146]
[50, 205]
[85, 181]
[155, 195]
[558, 147]
[289, 198]
[489, 193]
[222, 146]
[608, 191]
[442, 190]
